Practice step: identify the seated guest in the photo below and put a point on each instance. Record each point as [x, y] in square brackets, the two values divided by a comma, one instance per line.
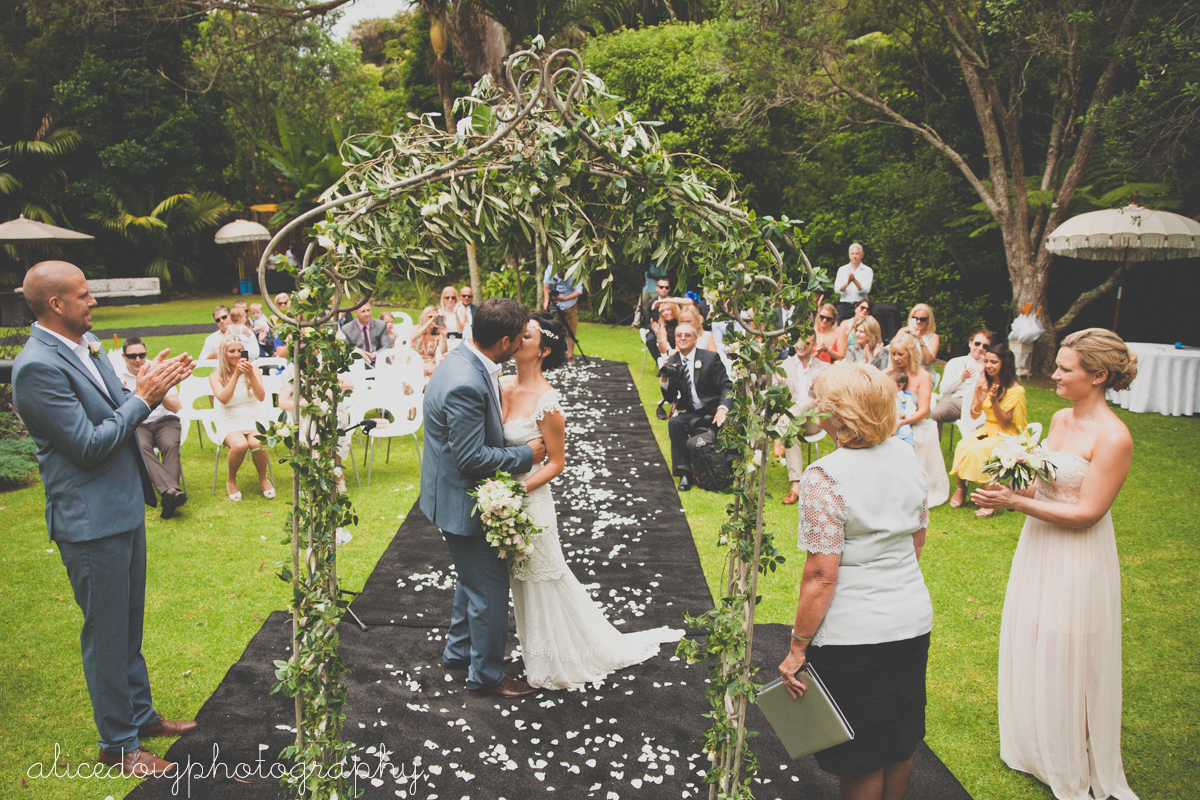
[864, 614]
[159, 430]
[799, 369]
[1001, 400]
[906, 405]
[691, 315]
[282, 302]
[862, 310]
[262, 330]
[454, 316]
[829, 341]
[428, 338]
[958, 380]
[702, 395]
[663, 329]
[466, 296]
[239, 325]
[238, 395]
[368, 335]
[903, 350]
[868, 345]
[220, 315]
[923, 327]
[392, 335]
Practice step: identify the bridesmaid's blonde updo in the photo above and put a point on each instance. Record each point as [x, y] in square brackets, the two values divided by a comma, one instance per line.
[1101, 349]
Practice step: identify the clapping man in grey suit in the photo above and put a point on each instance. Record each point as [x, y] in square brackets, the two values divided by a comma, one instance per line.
[464, 444]
[84, 423]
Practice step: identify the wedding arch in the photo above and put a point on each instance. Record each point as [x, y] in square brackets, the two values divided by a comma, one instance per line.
[550, 159]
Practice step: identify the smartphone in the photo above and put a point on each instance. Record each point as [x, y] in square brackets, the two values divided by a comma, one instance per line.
[441, 320]
[245, 355]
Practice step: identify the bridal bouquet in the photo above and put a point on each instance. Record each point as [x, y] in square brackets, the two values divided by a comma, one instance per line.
[506, 524]
[1019, 459]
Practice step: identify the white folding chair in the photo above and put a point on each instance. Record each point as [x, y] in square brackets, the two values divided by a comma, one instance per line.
[400, 397]
[192, 389]
[813, 441]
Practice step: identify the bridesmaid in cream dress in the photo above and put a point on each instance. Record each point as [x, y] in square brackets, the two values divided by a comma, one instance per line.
[1060, 636]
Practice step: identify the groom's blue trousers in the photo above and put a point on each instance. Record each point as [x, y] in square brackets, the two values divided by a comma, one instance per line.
[479, 619]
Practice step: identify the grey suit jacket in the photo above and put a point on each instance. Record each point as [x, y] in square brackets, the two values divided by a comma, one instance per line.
[377, 330]
[464, 443]
[88, 455]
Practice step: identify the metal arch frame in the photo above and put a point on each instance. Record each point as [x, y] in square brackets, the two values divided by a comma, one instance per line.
[538, 84]
[553, 81]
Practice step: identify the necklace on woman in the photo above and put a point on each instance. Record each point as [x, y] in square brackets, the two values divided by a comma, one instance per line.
[1083, 419]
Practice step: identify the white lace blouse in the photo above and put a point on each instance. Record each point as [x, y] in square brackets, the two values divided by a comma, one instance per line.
[865, 504]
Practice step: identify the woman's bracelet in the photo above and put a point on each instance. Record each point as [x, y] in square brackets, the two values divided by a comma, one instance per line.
[802, 639]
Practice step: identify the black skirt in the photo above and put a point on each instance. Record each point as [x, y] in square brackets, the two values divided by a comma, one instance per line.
[881, 690]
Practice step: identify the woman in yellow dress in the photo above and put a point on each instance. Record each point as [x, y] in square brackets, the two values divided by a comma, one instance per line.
[1002, 400]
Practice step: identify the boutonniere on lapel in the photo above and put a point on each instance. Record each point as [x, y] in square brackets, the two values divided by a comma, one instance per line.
[95, 349]
[696, 364]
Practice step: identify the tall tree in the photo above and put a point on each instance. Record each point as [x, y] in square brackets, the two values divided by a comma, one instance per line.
[1034, 75]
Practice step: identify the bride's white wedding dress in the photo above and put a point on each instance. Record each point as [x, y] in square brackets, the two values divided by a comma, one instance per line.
[566, 640]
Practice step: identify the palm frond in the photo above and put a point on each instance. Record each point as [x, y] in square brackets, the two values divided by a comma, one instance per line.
[204, 210]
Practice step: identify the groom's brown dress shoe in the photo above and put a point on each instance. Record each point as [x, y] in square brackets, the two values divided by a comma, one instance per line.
[140, 763]
[166, 727]
[509, 689]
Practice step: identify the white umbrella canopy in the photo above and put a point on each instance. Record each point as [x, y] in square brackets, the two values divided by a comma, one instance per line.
[1132, 233]
[30, 231]
[242, 230]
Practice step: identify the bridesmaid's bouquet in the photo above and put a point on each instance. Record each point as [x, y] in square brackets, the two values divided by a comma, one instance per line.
[1020, 459]
[507, 525]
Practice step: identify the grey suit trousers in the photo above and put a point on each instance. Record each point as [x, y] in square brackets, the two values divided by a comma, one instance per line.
[479, 619]
[108, 577]
[163, 433]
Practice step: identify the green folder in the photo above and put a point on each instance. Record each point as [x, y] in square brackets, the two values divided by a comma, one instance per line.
[806, 725]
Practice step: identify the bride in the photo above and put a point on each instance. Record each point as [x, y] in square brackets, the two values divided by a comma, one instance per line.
[565, 638]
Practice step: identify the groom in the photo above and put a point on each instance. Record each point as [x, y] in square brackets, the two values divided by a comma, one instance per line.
[464, 444]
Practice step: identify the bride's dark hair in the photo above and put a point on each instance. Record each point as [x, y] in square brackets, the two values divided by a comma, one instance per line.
[554, 336]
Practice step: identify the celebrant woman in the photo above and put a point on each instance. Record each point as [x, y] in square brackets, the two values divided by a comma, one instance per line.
[1059, 687]
[566, 641]
[864, 615]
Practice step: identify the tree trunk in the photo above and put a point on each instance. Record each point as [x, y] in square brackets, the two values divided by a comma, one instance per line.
[479, 39]
[511, 260]
[443, 66]
[473, 267]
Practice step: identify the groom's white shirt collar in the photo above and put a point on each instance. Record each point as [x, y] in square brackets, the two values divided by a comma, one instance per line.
[493, 369]
[81, 351]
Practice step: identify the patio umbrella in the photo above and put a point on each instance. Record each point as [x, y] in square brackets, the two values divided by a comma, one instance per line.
[241, 230]
[1128, 235]
[30, 231]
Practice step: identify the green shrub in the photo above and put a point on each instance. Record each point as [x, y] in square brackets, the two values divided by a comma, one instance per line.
[17, 464]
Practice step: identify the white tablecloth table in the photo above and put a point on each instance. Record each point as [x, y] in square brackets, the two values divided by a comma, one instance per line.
[1168, 381]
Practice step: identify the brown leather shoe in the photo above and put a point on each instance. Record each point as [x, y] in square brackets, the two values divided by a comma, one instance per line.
[166, 727]
[791, 498]
[509, 689]
[140, 763]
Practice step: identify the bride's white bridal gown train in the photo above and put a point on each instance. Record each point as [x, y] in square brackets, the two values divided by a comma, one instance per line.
[1060, 651]
[566, 640]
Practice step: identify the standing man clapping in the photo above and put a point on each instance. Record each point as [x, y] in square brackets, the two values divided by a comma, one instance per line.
[84, 423]
[853, 282]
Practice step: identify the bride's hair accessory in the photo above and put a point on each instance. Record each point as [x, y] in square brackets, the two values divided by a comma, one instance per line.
[549, 335]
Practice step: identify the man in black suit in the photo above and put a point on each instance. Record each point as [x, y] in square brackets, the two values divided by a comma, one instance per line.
[702, 396]
[368, 336]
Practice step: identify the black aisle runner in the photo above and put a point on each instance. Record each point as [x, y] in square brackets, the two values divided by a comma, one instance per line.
[638, 734]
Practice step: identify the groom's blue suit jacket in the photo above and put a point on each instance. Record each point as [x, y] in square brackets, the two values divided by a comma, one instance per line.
[464, 442]
[88, 454]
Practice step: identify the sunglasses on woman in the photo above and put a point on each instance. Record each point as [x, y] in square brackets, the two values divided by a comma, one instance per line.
[920, 319]
[827, 319]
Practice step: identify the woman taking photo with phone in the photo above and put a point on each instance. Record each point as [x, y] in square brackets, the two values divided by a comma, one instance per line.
[238, 396]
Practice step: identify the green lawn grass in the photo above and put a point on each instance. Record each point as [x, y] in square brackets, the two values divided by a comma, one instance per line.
[211, 582]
